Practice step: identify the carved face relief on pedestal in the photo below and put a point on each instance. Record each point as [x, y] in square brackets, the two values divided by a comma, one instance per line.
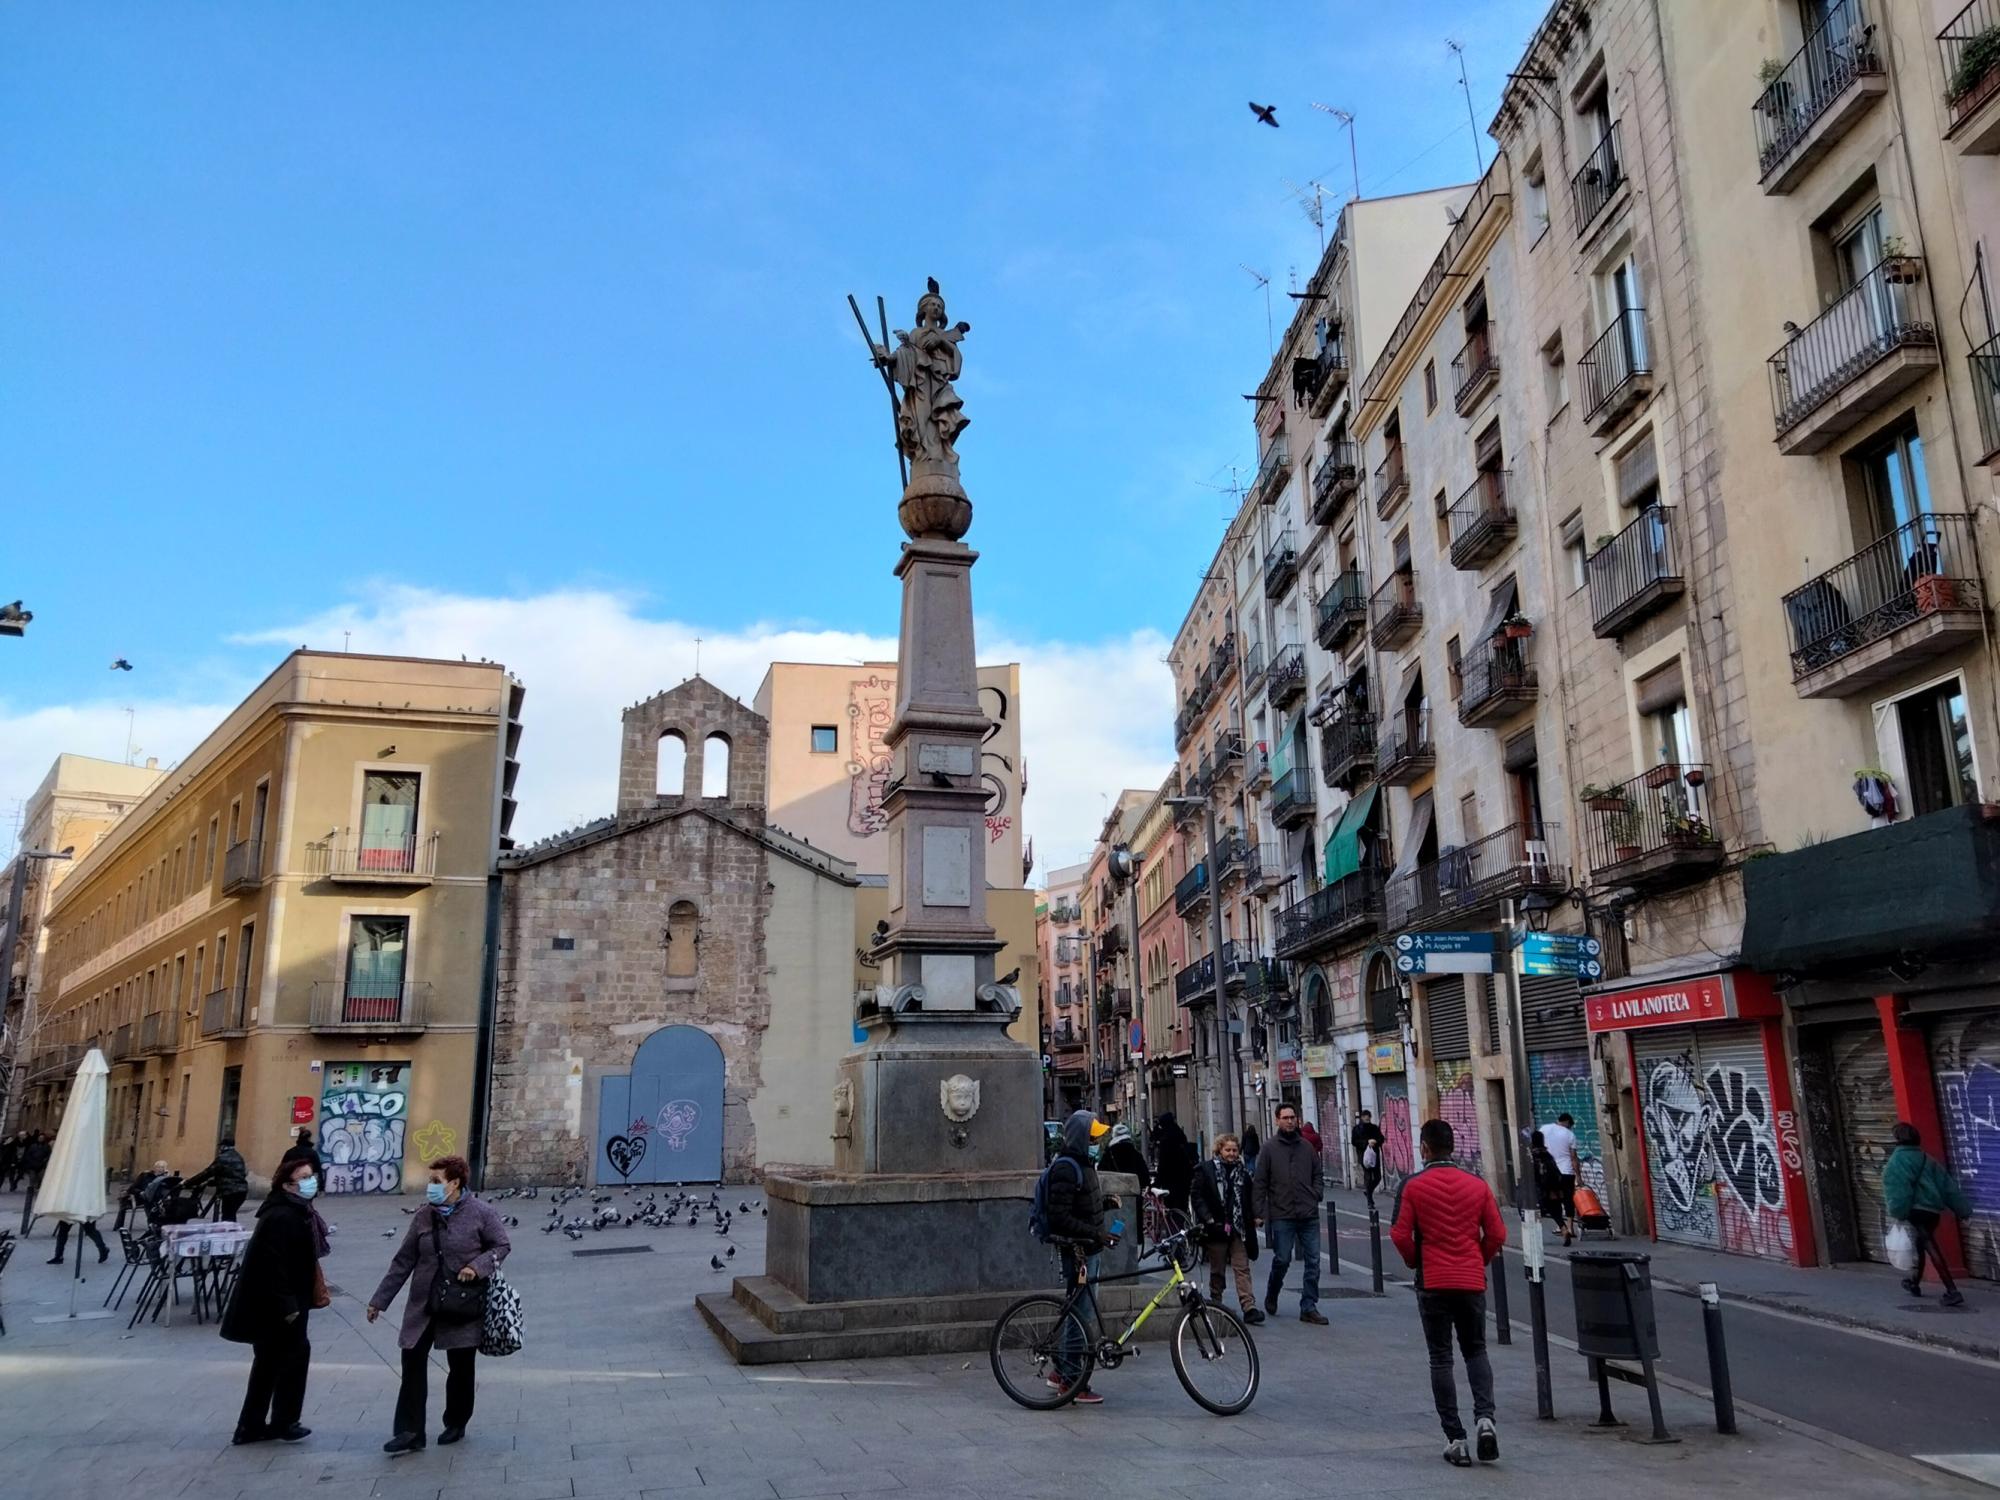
[843, 1110]
[958, 1097]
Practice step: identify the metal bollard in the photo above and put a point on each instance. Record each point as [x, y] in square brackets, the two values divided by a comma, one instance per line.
[1718, 1358]
[1375, 1242]
[1503, 1327]
[1538, 1313]
[1332, 1238]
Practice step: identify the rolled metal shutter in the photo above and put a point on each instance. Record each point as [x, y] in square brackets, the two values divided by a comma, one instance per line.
[1552, 1013]
[1865, 1113]
[1965, 1059]
[1451, 1064]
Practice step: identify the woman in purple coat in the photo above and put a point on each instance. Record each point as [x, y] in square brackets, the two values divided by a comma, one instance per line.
[452, 1235]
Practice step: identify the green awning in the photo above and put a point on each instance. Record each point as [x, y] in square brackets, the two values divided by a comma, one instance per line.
[1281, 748]
[1343, 845]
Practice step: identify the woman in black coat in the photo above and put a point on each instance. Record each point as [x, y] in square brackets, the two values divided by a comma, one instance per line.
[270, 1304]
[1173, 1160]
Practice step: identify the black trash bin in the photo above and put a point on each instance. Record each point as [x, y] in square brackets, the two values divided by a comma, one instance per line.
[1608, 1326]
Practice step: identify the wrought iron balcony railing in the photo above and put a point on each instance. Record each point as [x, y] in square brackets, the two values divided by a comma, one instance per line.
[1635, 572]
[1597, 181]
[1335, 479]
[1281, 563]
[1393, 611]
[223, 1012]
[1392, 482]
[1341, 610]
[1286, 679]
[1406, 752]
[1347, 748]
[1495, 678]
[1348, 908]
[1191, 890]
[1483, 522]
[1618, 367]
[243, 866]
[1271, 474]
[1475, 369]
[1969, 48]
[1253, 666]
[1841, 49]
[1986, 391]
[1653, 829]
[1292, 796]
[1922, 574]
[374, 860]
[1472, 878]
[1886, 310]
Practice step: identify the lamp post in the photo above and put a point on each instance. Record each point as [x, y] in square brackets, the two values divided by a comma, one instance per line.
[1224, 1048]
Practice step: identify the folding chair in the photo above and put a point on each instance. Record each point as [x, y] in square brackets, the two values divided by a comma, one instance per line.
[135, 1257]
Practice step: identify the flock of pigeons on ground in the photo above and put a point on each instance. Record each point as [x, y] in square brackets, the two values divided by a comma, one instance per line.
[646, 1211]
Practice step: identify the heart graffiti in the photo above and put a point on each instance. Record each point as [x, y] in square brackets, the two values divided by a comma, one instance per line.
[625, 1152]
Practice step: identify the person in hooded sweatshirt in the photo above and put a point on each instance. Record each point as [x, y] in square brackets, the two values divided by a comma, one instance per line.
[1122, 1154]
[269, 1306]
[1076, 1204]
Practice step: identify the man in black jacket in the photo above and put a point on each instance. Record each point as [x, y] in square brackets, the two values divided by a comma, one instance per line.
[1290, 1185]
[1225, 1206]
[1367, 1133]
[227, 1175]
[1075, 1204]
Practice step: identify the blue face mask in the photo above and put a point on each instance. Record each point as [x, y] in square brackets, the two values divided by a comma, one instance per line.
[306, 1187]
[435, 1193]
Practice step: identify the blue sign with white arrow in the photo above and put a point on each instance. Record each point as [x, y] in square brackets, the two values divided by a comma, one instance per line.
[1444, 953]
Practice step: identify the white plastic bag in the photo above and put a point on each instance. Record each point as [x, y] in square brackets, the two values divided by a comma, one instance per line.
[1901, 1246]
[1368, 1157]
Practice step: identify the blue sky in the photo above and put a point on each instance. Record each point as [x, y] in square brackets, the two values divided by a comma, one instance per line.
[325, 318]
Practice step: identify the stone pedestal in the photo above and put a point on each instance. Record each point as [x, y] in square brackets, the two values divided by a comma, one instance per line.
[912, 1077]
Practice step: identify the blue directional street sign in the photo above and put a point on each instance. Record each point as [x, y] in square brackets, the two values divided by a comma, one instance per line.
[1444, 953]
[1560, 953]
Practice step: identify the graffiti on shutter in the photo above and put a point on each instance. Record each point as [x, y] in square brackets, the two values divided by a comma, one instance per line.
[1965, 1057]
[1559, 1082]
[1867, 1109]
[1458, 1110]
[1399, 1155]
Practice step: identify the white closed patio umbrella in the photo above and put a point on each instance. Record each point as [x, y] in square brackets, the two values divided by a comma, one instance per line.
[73, 1183]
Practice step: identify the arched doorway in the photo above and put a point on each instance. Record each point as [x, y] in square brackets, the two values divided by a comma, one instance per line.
[662, 1122]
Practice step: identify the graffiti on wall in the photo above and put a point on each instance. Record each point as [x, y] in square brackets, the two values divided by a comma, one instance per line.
[1712, 1145]
[1968, 1087]
[871, 709]
[364, 1109]
[1457, 1109]
[1399, 1156]
[1559, 1083]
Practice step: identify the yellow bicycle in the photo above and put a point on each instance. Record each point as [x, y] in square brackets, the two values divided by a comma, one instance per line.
[1043, 1350]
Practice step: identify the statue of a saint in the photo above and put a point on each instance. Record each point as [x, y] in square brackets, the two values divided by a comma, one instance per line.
[929, 417]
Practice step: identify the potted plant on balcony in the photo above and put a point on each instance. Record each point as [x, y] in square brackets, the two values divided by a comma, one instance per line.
[1694, 776]
[1899, 267]
[1976, 62]
[1666, 773]
[1686, 830]
[1606, 799]
[1776, 99]
[1621, 831]
[1516, 627]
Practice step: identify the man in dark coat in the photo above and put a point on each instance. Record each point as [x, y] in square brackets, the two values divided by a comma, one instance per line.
[1122, 1154]
[303, 1149]
[1367, 1133]
[229, 1177]
[1290, 1183]
[1173, 1160]
[269, 1306]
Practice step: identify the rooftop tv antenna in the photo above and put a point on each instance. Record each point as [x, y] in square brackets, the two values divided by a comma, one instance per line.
[1458, 51]
[1270, 335]
[1311, 199]
[1346, 118]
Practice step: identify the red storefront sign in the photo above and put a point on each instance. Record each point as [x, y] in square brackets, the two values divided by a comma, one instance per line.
[1288, 1071]
[1734, 996]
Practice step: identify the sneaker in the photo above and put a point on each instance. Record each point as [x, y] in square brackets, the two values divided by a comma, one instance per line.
[404, 1442]
[1455, 1454]
[1271, 1304]
[1313, 1315]
[1253, 1315]
[1912, 1286]
[296, 1432]
[1953, 1299]
[1489, 1441]
[1087, 1397]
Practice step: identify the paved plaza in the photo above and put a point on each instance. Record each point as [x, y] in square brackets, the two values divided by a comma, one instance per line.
[622, 1392]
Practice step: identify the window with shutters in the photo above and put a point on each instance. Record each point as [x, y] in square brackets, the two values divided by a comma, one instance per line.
[1661, 699]
[1638, 474]
[1576, 550]
[1430, 386]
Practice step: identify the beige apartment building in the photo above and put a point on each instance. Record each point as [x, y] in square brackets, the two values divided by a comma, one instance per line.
[78, 802]
[289, 928]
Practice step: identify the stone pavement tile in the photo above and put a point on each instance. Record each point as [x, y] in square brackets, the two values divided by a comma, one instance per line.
[835, 1482]
[731, 1489]
[660, 1446]
[531, 1489]
[520, 1470]
[411, 1483]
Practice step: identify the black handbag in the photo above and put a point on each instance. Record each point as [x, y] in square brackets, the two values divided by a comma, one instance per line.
[452, 1300]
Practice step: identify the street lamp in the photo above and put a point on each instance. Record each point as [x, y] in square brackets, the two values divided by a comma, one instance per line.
[1536, 908]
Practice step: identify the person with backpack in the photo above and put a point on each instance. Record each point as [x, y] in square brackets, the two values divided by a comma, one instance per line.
[1917, 1190]
[1447, 1227]
[1225, 1206]
[1552, 1195]
[1069, 1213]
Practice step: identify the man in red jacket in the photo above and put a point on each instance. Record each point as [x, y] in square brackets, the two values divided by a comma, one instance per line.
[1447, 1227]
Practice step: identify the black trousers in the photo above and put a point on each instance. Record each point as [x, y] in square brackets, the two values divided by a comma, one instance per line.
[89, 1232]
[1924, 1224]
[277, 1391]
[226, 1205]
[1463, 1314]
[413, 1398]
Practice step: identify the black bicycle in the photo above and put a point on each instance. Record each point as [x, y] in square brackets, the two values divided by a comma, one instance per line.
[1043, 1349]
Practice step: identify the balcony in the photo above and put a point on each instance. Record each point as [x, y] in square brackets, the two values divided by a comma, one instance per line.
[1110, 943]
[1191, 890]
[1228, 754]
[1206, 770]
[1482, 523]
[243, 867]
[374, 861]
[1065, 913]
[1285, 683]
[1316, 382]
[223, 1012]
[1116, 1002]
[120, 1049]
[1970, 50]
[371, 1005]
[1616, 372]
[1475, 370]
[1405, 754]
[1264, 869]
[1855, 358]
[1829, 84]
[59, 1061]
[1635, 573]
[1292, 797]
[1281, 564]
[1471, 881]
[1184, 723]
[1597, 181]
[1496, 681]
[1341, 610]
[1347, 748]
[1349, 908]
[1232, 854]
[1196, 982]
[1392, 483]
[1653, 831]
[1928, 885]
[1335, 481]
[1257, 767]
[156, 1034]
[1253, 666]
[1986, 398]
[1915, 593]
[1271, 474]
[1394, 615]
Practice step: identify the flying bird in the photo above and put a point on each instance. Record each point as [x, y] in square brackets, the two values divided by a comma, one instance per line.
[121, 665]
[1268, 113]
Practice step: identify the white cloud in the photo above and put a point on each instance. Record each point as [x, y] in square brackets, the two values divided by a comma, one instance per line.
[1095, 716]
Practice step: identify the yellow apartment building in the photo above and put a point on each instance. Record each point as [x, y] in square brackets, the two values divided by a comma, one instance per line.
[290, 928]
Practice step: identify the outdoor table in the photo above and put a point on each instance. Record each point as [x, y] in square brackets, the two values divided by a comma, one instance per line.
[213, 1249]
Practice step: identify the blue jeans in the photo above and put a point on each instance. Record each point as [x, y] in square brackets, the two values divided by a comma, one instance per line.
[1289, 1238]
[1073, 1344]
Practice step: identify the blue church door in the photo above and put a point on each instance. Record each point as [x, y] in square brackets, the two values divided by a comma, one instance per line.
[662, 1122]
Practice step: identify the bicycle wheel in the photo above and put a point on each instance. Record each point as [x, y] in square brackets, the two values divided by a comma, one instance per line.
[1215, 1359]
[1026, 1345]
